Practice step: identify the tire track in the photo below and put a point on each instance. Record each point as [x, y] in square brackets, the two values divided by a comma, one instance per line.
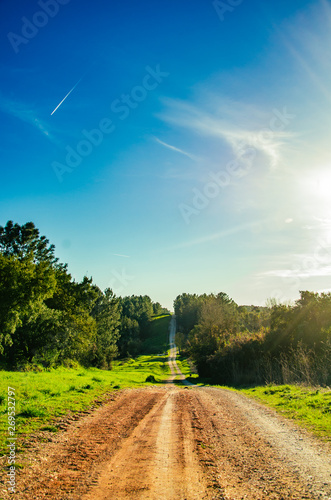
[161, 458]
[167, 443]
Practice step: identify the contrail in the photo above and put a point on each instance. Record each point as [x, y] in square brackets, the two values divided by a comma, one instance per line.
[73, 88]
[175, 149]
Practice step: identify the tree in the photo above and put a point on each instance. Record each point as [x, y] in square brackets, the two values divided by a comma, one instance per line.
[203, 342]
[44, 314]
[129, 342]
[106, 312]
[208, 322]
[180, 341]
[24, 241]
[186, 307]
[157, 309]
[24, 285]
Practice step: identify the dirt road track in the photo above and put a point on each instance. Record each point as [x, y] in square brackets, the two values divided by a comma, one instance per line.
[175, 443]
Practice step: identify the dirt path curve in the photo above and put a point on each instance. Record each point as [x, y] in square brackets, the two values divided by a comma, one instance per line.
[175, 443]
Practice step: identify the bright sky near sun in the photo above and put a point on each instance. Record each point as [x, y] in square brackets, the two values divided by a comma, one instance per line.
[172, 146]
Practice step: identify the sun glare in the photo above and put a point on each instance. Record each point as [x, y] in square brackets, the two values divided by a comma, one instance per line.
[323, 183]
[319, 183]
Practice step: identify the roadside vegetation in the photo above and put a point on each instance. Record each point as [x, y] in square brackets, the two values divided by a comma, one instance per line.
[309, 407]
[248, 345]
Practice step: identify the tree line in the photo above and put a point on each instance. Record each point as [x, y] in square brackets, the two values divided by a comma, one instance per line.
[244, 345]
[48, 319]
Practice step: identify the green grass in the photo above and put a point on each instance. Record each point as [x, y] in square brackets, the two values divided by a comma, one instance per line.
[309, 407]
[186, 370]
[42, 397]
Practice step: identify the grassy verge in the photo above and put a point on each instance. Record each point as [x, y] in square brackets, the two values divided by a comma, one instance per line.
[309, 407]
[186, 370]
[42, 397]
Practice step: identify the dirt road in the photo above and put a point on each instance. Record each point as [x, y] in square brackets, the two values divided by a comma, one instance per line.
[176, 443]
[176, 374]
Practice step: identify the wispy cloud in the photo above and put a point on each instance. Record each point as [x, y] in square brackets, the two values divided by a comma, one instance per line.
[26, 113]
[320, 224]
[323, 222]
[216, 236]
[178, 150]
[121, 255]
[240, 125]
[319, 271]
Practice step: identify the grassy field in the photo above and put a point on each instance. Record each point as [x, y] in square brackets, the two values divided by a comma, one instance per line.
[41, 397]
[309, 407]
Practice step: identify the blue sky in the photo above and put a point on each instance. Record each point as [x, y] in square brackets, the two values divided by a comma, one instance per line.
[191, 153]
